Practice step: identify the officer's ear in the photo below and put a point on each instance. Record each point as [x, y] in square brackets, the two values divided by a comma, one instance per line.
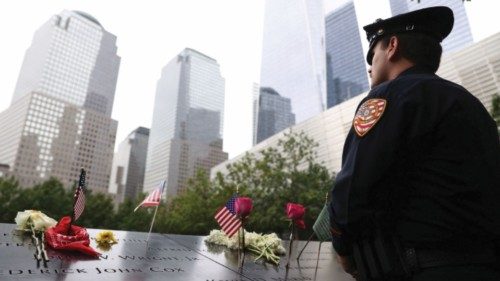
[392, 49]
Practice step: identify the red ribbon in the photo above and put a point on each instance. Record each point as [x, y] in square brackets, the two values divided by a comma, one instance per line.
[60, 237]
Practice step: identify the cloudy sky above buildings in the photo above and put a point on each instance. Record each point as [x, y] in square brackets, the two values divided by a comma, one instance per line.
[150, 33]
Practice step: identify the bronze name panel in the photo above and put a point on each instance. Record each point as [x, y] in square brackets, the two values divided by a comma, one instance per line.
[163, 257]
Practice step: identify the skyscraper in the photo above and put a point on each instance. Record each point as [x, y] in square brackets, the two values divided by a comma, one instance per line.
[186, 133]
[346, 74]
[329, 129]
[293, 54]
[459, 37]
[60, 116]
[129, 164]
[255, 111]
[274, 113]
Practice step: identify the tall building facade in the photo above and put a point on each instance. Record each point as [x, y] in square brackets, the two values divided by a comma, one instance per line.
[329, 129]
[477, 68]
[346, 74]
[459, 37]
[129, 164]
[60, 116]
[293, 54]
[274, 114]
[186, 132]
[255, 111]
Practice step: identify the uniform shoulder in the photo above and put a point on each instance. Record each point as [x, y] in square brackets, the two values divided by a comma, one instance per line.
[408, 81]
[429, 84]
[425, 90]
[379, 90]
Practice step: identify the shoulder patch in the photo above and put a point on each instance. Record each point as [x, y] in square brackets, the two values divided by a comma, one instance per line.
[368, 115]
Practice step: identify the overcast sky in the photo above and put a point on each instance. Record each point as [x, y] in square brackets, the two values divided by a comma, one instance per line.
[150, 33]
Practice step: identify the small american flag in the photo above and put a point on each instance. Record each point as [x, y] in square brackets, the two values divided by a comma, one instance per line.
[227, 219]
[322, 225]
[154, 197]
[79, 198]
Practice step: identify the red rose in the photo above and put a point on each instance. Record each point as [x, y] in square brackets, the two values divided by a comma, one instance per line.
[243, 206]
[295, 212]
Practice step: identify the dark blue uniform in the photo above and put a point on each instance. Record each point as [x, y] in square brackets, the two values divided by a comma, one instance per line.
[427, 169]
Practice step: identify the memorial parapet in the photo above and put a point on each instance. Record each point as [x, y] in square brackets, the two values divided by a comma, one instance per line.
[164, 257]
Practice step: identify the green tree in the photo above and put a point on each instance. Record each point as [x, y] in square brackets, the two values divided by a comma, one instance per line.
[278, 175]
[54, 200]
[272, 177]
[49, 197]
[127, 219]
[192, 212]
[9, 192]
[99, 212]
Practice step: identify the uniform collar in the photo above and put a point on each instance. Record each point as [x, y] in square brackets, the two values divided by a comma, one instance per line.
[409, 71]
[416, 69]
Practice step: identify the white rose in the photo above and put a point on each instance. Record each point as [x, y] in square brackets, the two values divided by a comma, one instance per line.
[39, 220]
[22, 220]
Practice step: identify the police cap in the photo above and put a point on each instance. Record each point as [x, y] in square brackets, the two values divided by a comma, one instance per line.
[436, 22]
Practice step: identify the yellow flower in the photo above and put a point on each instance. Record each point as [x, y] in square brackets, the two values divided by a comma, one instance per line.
[104, 247]
[106, 237]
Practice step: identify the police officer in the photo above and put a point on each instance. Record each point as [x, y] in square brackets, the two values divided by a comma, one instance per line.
[417, 195]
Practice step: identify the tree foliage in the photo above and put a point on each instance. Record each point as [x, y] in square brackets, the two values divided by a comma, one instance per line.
[9, 193]
[56, 201]
[271, 177]
[127, 219]
[49, 196]
[192, 212]
[278, 175]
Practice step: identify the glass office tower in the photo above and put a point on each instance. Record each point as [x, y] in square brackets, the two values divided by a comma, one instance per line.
[60, 116]
[346, 74]
[129, 164]
[293, 54]
[186, 133]
[274, 113]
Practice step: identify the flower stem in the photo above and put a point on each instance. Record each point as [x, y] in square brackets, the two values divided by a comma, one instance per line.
[243, 242]
[292, 236]
[44, 253]
[38, 252]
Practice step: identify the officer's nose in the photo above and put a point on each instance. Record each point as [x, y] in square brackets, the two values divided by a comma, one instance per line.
[370, 72]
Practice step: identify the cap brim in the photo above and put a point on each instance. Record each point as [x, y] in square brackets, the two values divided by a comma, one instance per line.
[436, 22]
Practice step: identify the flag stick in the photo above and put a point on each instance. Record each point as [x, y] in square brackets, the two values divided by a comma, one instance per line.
[152, 222]
[317, 259]
[242, 242]
[73, 209]
[308, 240]
[81, 182]
[310, 237]
[72, 215]
[239, 246]
[292, 236]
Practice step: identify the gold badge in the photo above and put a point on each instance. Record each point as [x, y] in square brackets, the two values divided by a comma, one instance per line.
[368, 115]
